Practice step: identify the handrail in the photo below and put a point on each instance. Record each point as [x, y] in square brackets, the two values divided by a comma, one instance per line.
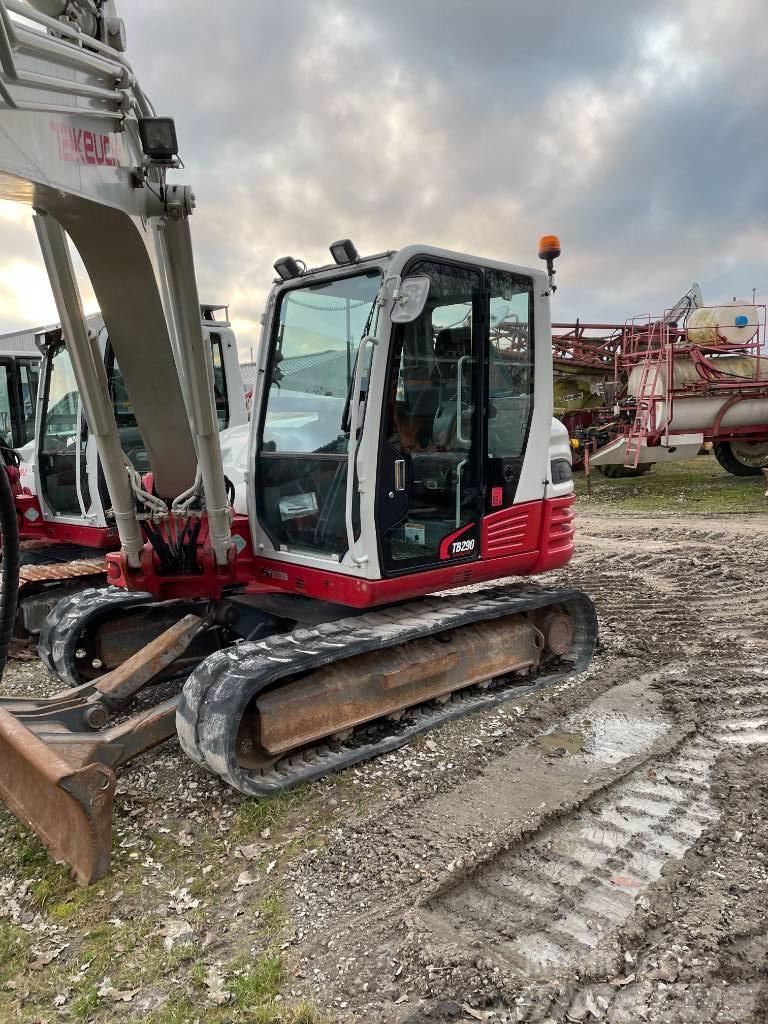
[354, 413]
[77, 50]
[459, 372]
[459, 475]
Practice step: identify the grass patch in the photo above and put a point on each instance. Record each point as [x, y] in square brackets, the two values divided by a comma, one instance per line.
[14, 951]
[148, 962]
[185, 1010]
[266, 812]
[178, 1011]
[699, 486]
[84, 1006]
[259, 982]
[25, 855]
[304, 1013]
[271, 911]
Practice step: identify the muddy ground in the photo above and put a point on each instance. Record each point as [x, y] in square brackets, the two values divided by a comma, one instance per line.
[597, 853]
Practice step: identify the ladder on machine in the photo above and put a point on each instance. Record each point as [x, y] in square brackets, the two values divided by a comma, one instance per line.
[646, 400]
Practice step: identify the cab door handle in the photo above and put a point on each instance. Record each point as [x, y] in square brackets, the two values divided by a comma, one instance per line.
[400, 474]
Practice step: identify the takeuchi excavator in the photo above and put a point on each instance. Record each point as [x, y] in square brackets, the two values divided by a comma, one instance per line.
[402, 451]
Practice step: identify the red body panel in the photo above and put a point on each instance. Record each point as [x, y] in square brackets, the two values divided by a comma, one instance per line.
[32, 526]
[557, 534]
[511, 530]
[518, 541]
[355, 593]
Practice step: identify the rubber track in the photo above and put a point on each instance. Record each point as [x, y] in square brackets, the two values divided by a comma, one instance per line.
[219, 690]
[65, 625]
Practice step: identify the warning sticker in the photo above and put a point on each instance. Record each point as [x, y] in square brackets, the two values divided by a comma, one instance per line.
[416, 533]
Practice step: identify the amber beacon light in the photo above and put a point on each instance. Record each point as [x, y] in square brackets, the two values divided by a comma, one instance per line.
[549, 250]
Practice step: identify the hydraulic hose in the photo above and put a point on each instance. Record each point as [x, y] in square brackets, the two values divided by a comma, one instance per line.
[9, 569]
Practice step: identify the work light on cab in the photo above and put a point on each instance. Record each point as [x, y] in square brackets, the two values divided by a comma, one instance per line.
[344, 251]
[288, 268]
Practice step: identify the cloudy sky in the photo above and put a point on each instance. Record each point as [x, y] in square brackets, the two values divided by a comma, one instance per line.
[635, 131]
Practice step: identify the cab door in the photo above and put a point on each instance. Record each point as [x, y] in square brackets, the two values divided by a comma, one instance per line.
[429, 500]
[508, 385]
[9, 403]
[456, 417]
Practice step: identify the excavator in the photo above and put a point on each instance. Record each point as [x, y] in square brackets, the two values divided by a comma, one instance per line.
[402, 458]
[59, 491]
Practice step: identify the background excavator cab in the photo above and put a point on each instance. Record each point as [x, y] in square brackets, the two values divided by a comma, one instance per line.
[61, 464]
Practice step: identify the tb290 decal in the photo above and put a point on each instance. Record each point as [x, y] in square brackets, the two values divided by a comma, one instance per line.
[463, 547]
[460, 544]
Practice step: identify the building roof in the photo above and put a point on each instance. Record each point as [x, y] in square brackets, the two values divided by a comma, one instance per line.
[293, 364]
[21, 341]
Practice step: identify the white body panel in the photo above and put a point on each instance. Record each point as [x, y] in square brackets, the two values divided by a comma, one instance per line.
[559, 448]
[234, 457]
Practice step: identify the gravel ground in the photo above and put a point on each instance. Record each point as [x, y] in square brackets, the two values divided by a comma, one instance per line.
[594, 853]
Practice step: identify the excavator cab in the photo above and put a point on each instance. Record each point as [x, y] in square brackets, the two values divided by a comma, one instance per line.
[387, 446]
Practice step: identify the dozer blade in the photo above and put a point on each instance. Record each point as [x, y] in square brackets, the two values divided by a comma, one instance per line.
[57, 768]
[71, 811]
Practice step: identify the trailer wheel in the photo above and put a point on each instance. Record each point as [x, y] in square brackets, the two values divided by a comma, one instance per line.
[742, 458]
[614, 472]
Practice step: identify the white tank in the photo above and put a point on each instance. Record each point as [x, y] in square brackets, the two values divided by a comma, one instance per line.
[733, 324]
[695, 414]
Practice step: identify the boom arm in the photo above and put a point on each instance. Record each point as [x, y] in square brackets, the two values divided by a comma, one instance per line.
[72, 149]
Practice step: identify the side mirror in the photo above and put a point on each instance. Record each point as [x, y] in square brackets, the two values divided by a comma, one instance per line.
[411, 299]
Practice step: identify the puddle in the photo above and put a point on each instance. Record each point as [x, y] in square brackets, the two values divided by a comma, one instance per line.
[614, 736]
[559, 744]
[607, 736]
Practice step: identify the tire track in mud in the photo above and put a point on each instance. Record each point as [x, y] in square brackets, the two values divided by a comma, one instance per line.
[554, 902]
[664, 605]
[552, 907]
[691, 1003]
